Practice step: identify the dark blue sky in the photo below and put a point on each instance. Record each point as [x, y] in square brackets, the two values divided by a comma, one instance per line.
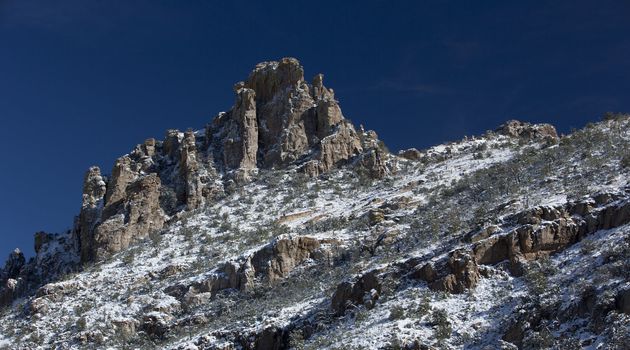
[82, 81]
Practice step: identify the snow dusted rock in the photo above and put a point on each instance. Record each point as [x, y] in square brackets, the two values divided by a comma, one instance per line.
[8, 291]
[547, 230]
[411, 154]
[156, 324]
[278, 259]
[456, 274]
[125, 327]
[94, 189]
[137, 214]
[55, 291]
[41, 239]
[270, 263]
[14, 264]
[518, 129]
[277, 120]
[364, 291]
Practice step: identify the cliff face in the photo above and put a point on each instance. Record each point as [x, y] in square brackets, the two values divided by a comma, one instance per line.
[278, 120]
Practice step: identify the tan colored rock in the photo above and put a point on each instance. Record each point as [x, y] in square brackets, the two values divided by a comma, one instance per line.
[269, 264]
[122, 176]
[376, 216]
[515, 128]
[139, 215]
[94, 190]
[460, 273]
[277, 260]
[411, 154]
[189, 172]
[125, 327]
[241, 145]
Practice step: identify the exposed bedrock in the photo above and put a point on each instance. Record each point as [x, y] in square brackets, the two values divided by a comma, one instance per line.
[532, 234]
[268, 264]
[277, 120]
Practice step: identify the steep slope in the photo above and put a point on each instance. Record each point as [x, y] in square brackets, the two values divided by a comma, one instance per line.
[282, 226]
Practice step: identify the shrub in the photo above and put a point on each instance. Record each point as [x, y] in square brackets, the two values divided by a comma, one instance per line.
[443, 328]
[296, 340]
[397, 312]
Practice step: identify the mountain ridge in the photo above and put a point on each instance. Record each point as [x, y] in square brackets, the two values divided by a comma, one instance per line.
[281, 225]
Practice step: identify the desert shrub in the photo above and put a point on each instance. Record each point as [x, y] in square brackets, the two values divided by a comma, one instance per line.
[536, 276]
[443, 328]
[129, 257]
[296, 340]
[396, 312]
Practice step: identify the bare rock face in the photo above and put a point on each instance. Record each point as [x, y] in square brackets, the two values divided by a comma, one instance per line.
[411, 154]
[269, 264]
[9, 275]
[241, 142]
[547, 230]
[455, 274]
[518, 129]
[137, 216]
[278, 120]
[94, 189]
[364, 291]
[277, 260]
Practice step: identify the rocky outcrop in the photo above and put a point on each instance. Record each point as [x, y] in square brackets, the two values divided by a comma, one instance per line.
[138, 214]
[532, 234]
[13, 266]
[364, 291]
[411, 154]
[9, 283]
[278, 120]
[272, 262]
[547, 230]
[94, 189]
[455, 274]
[241, 143]
[527, 131]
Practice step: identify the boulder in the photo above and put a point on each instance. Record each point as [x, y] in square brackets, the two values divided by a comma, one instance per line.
[411, 154]
[364, 291]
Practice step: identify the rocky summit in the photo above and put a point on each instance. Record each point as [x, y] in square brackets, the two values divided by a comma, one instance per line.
[281, 225]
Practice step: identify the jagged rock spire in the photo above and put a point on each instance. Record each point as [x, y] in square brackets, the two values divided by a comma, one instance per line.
[277, 120]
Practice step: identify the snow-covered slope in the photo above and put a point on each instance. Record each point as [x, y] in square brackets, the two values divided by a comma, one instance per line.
[286, 260]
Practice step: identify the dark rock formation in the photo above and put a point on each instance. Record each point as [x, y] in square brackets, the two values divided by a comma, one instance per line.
[364, 291]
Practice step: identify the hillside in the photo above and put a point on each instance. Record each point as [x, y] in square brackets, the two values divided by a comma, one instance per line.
[281, 225]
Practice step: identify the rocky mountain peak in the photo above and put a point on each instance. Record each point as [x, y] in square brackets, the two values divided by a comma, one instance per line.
[277, 120]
